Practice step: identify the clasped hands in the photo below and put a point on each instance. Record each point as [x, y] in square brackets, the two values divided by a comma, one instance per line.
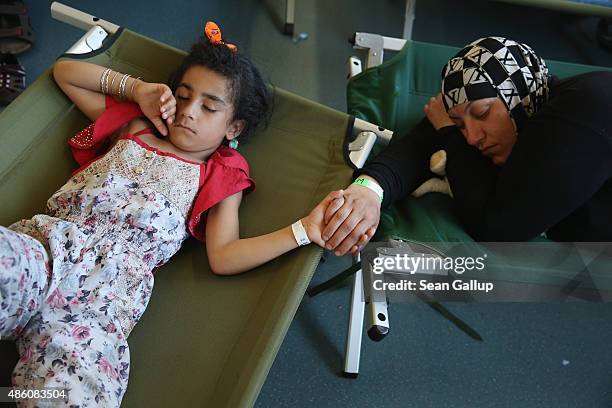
[345, 220]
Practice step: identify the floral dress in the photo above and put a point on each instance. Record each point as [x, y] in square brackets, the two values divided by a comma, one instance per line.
[75, 281]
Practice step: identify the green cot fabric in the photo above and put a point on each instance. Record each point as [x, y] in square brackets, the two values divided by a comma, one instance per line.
[204, 340]
[392, 95]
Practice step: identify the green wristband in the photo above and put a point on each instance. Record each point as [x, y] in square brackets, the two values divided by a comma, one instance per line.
[362, 181]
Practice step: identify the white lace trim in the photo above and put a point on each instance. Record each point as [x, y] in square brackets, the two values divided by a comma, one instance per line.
[177, 180]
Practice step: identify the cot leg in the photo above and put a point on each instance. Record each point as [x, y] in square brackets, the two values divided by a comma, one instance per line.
[289, 17]
[379, 321]
[355, 328]
[377, 303]
[409, 19]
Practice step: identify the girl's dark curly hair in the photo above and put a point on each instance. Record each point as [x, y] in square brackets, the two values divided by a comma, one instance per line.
[250, 96]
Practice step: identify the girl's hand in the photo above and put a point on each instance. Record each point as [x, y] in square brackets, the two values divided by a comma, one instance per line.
[314, 222]
[157, 103]
[436, 113]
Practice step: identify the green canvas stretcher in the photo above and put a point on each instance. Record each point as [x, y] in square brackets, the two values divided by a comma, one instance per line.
[204, 340]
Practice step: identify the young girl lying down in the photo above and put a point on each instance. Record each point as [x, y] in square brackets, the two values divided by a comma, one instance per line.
[156, 161]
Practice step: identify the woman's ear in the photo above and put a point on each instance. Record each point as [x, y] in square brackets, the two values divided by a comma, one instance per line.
[235, 129]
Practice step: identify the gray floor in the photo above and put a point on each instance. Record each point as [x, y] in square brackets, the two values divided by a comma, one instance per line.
[425, 361]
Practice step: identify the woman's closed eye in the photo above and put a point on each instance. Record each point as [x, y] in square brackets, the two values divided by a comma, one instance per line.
[482, 114]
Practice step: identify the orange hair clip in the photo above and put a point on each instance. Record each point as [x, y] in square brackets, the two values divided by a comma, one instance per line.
[213, 32]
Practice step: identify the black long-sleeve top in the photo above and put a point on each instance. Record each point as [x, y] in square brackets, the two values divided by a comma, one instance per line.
[558, 178]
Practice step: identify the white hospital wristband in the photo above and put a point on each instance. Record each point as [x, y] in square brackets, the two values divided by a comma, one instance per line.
[372, 185]
[299, 233]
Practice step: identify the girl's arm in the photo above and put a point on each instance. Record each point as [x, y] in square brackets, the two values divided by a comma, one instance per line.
[80, 81]
[85, 83]
[229, 255]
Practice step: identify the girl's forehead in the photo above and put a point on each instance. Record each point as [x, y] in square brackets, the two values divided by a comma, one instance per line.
[204, 80]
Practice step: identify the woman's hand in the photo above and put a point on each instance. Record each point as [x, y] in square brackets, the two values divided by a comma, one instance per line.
[156, 102]
[350, 224]
[436, 113]
[314, 223]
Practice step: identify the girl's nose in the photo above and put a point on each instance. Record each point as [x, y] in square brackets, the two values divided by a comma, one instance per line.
[188, 110]
[187, 114]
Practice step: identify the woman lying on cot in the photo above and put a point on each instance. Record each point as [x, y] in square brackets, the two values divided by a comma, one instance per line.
[76, 280]
[527, 153]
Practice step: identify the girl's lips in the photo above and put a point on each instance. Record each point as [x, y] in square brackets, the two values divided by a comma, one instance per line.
[184, 127]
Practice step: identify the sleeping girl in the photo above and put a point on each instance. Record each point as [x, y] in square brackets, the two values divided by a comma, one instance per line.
[158, 164]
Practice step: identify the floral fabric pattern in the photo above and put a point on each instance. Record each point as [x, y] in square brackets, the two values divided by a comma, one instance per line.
[75, 281]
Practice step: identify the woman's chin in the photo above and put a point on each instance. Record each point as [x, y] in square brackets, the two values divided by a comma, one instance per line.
[498, 160]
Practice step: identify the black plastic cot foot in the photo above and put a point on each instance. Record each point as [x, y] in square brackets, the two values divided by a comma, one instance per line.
[377, 333]
[288, 28]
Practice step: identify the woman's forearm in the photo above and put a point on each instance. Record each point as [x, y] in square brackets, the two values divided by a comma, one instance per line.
[404, 164]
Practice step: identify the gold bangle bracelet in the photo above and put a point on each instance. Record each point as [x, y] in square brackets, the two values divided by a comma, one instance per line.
[113, 82]
[104, 73]
[124, 80]
[106, 90]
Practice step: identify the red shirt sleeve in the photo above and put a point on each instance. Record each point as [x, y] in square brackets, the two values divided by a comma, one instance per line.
[225, 174]
[93, 141]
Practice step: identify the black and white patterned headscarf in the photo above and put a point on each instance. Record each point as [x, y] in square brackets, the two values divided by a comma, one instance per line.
[497, 66]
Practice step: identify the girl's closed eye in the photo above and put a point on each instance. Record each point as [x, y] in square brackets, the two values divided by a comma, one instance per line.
[211, 110]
